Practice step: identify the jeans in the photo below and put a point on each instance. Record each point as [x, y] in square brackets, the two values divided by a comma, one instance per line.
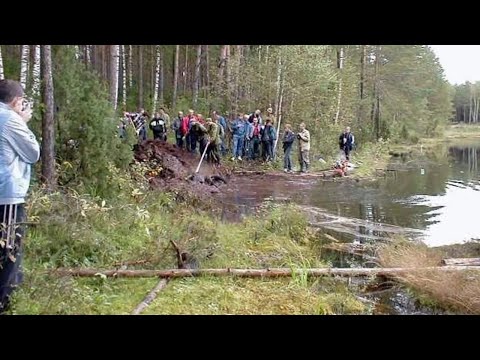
[287, 161]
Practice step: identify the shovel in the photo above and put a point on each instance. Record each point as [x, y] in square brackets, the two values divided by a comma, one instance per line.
[203, 156]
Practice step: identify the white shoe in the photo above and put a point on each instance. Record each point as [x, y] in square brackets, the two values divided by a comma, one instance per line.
[240, 158]
[233, 158]
[285, 170]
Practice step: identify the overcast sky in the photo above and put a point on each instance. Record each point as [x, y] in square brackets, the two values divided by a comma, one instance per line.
[460, 62]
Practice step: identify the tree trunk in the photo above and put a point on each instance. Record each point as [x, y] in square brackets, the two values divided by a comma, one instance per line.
[2, 74]
[221, 68]
[114, 69]
[124, 80]
[228, 71]
[207, 71]
[257, 273]
[279, 114]
[48, 124]
[130, 66]
[140, 76]
[196, 81]
[87, 58]
[375, 95]
[24, 65]
[340, 82]
[279, 76]
[157, 78]
[175, 77]
[362, 70]
[36, 72]
[236, 85]
[185, 72]
[77, 52]
[161, 83]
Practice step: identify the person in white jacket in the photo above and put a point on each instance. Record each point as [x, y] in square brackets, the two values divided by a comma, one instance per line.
[19, 150]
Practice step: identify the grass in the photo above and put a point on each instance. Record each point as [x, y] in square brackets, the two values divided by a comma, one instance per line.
[82, 231]
[459, 291]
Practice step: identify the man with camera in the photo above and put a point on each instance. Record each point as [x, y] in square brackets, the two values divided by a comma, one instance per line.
[19, 150]
[304, 148]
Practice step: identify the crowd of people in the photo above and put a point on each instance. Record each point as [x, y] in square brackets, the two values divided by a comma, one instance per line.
[243, 137]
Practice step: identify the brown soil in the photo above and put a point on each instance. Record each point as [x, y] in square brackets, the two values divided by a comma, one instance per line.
[173, 169]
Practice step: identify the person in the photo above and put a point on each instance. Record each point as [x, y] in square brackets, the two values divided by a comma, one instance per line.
[288, 139]
[220, 120]
[255, 139]
[238, 129]
[270, 116]
[268, 136]
[164, 116]
[198, 132]
[185, 128]
[258, 115]
[177, 129]
[19, 150]
[140, 122]
[346, 141]
[304, 148]
[213, 133]
[159, 127]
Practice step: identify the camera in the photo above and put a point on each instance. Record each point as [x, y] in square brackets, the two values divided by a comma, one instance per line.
[26, 104]
[298, 136]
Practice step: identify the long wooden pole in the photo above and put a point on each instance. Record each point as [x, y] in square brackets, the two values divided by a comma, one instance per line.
[272, 272]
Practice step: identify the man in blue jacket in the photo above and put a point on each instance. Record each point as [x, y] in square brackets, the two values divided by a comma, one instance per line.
[19, 150]
[239, 129]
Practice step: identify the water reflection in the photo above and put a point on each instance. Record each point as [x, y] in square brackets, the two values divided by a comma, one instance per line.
[441, 199]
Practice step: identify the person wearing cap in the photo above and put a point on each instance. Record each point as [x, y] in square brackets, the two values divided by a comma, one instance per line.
[270, 116]
[304, 148]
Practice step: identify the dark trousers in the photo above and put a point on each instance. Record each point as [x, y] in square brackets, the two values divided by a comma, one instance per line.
[160, 136]
[287, 160]
[193, 143]
[267, 150]
[11, 256]
[212, 154]
[179, 142]
[255, 148]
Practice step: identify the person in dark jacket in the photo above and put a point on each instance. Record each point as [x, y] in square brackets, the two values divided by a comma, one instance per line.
[199, 132]
[159, 127]
[346, 141]
[268, 139]
[288, 139]
[177, 129]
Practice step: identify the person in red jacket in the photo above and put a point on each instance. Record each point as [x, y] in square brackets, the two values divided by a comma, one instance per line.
[185, 128]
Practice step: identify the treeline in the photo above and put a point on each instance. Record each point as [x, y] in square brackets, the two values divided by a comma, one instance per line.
[467, 101]
[395, 92]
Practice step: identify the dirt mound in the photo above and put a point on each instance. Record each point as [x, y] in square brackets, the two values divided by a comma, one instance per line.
[171, 168]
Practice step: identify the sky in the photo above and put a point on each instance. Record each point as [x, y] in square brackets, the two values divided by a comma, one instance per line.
[460, 62]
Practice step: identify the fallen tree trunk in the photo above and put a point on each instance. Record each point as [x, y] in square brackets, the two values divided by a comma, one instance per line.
[150, 297]
[272, 272]
[462, 261]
